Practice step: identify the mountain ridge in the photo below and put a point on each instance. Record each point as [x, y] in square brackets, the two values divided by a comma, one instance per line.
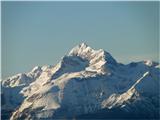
[81, 83]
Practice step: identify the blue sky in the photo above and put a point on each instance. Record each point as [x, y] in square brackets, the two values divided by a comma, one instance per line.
[40, 33]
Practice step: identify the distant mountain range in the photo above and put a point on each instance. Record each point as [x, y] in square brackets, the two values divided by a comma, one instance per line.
[85, 84]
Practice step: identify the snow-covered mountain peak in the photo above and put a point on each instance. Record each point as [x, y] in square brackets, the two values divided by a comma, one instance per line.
[81, 50]
[16, 80]
[36, 68]
[150, 63]
[85, 81]
[86, 52]
[83, 44]
[98, 61]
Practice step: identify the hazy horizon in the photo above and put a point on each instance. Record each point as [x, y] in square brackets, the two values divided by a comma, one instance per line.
[40, 33]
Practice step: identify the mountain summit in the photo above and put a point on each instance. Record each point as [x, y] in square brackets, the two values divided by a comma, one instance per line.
[86, 52]
[97, 60]
[86, 83]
